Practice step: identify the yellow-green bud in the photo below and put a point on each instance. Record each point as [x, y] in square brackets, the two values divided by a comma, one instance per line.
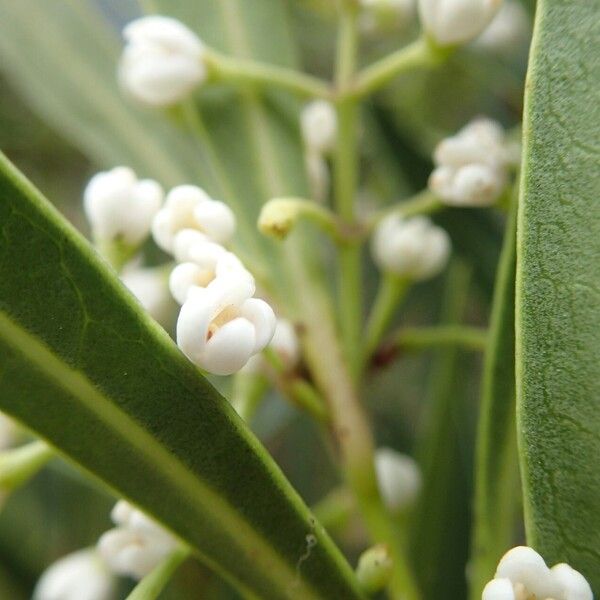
[374, 569]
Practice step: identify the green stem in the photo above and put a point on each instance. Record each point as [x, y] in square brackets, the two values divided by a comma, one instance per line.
[150, 587]
[242, 71]
[422, 203]
[417, 338]
[345, 180]
[20, 464]
[421, 53]
[391, 290]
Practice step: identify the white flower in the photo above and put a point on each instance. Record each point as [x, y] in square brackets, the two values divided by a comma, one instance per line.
[78, 576]
[190, 207]
[207, 262]
[9, 431]
[522, 574]
[318, 122]
[399, 478]
[162, 61]
[121, 207]
[451, 22]
[285, 343]
[137, 545]
[378, 15]
[149, 286]
[471, 167]
[221, 326]
[508, 31]
[413, 248]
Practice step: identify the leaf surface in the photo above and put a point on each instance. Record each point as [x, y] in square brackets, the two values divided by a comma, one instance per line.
[86, 369]
[558, 288]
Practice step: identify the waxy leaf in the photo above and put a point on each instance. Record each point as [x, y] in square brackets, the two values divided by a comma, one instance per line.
[558, 288]
[85, 368]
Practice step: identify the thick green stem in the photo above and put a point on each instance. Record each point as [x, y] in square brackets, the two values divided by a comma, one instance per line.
[418, 338]
[20, 464]
[421, 53]
[345, 180]
[150, 587]
[248, 72]
[391, 290]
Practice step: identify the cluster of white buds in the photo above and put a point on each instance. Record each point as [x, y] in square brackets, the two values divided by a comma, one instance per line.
[453, 22]
[472, 166]
[318, 124]
[522, 574]
[412, 248]
[385, 15]
[221, 325]
[508, 31]
[398, 477]
[120, 207]
[163, 61]
[82, 575]
[137, 545]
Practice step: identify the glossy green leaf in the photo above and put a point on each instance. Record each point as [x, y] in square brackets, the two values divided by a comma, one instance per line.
[87, 370]
[558, 288]
[496, 469]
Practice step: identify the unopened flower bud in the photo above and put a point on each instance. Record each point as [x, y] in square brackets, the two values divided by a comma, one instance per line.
[210, 261]
[278, 217]
[119, 207]
[508, 31]
[472, 166]
[81, 575]
[162, 61]
[190, 207]
[452, 22]
[374, 570]
[137, 545]
[285, 343]
[522, 573]
[399, 478]
[319, 126]
[149, 286]
[221, 326]
[413, 248]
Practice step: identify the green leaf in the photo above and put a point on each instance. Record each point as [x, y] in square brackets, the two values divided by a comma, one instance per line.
[87, 370]
[558, 289]
[440, 527]
[496, 469]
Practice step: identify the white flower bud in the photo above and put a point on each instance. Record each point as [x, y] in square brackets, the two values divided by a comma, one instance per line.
[385, 15]
[190, 207]
[208, 265]
[375, 568]
[508, 31]
[137, 545]
[149, 286]
[221, 326]
[119, 207]
[451, 22]
[399, 478]
[78, 576]
[162, 61]
[523, 573]
[317, 172]
[9, 431]
[413, 248]
[285, 343]
[472, 165]
[318, 122]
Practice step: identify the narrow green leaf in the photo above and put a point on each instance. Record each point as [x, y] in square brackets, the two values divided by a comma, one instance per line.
[440, 528]
[558, 288]
[496, 467]
[86, 369]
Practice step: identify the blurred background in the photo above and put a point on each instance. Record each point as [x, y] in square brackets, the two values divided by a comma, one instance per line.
[417, 397]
